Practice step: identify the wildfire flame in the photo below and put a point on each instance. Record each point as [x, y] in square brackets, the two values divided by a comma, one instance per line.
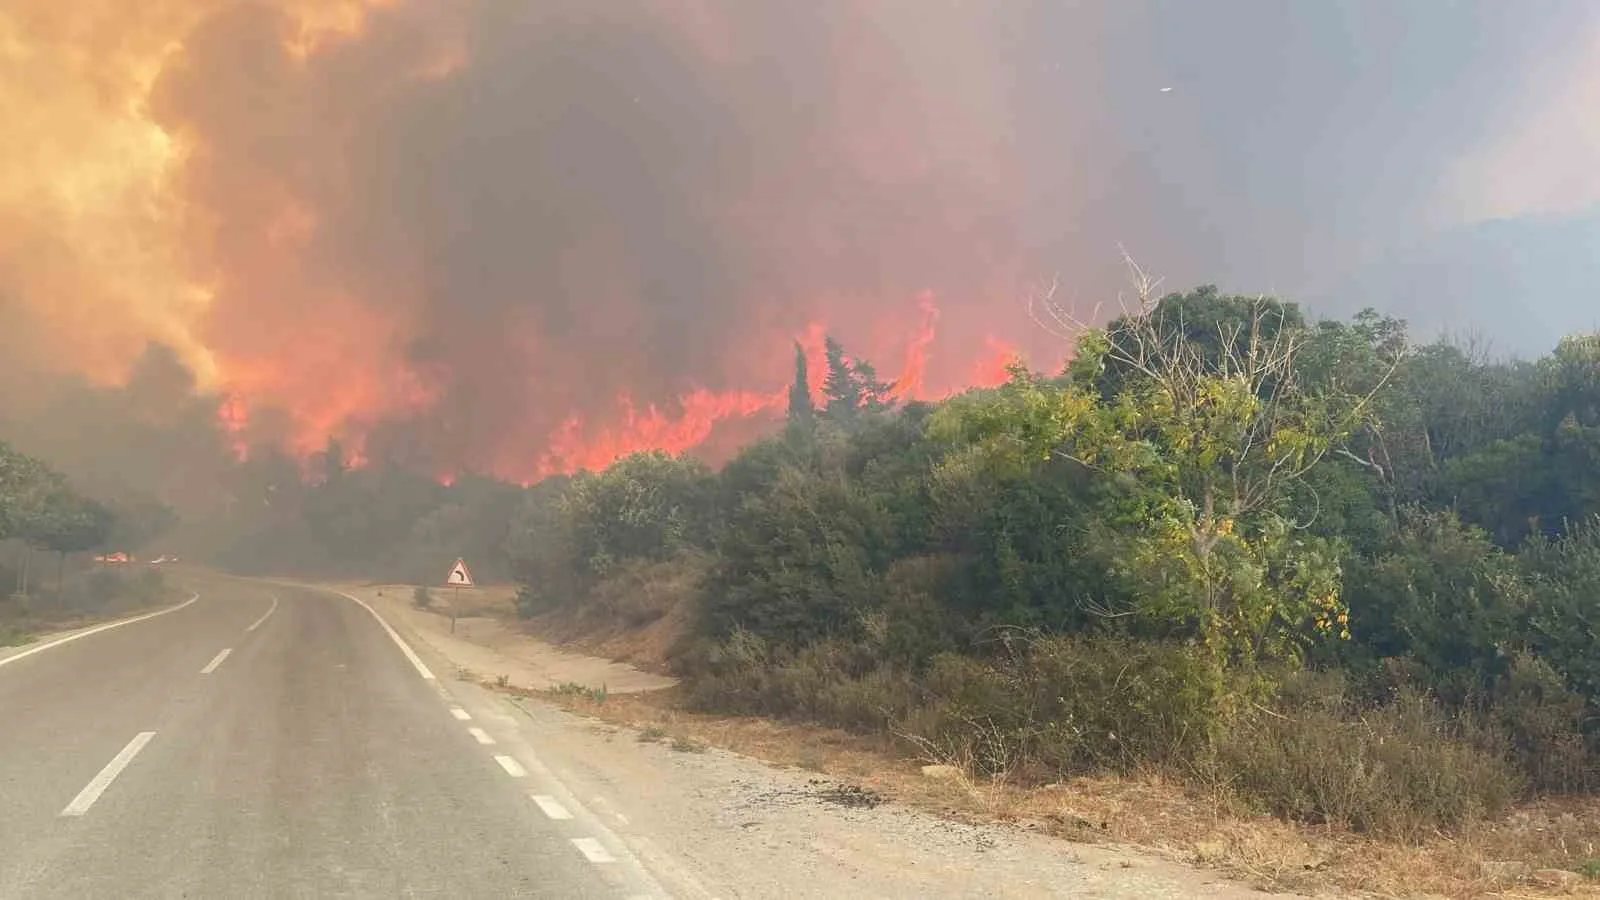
[294, 196]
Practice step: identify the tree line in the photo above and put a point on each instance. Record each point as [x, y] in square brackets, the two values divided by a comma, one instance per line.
[39, 508]
[1225, 538]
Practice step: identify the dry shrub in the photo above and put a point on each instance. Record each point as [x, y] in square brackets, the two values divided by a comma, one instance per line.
[834, 682]
[641, 592]
[1052, 706]
[1063, 705]
[1403, 771]
[1541, 722]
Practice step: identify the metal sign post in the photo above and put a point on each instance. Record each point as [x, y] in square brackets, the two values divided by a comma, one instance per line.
[458, 577]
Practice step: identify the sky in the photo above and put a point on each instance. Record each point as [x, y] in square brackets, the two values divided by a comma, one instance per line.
[527, 237]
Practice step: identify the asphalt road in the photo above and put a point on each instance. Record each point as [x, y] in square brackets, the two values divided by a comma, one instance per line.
[315, 758]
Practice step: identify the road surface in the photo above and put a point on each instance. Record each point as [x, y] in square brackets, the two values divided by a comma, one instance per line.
[265, 741]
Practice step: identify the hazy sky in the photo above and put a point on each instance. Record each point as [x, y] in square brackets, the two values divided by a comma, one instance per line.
[523, 235]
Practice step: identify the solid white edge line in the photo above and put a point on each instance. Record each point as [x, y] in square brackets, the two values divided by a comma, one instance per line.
[216, 661]
[512, 767]
[97, 785]
[95, 630]
[551, 807]
[405, 648]
[266, 615]
[460, 714]
[481, 735]
[593, 850]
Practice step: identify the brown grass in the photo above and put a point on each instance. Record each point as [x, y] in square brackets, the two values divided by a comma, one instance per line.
[1156, 813]
[635, 617]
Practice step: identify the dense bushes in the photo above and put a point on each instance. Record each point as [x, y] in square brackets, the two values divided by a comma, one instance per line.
[1352, 583]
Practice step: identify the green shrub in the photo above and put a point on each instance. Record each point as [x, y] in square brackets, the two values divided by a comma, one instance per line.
[1401, 771]
[1564, 620]
[1444, 596]
[421, 597]
[799, 562]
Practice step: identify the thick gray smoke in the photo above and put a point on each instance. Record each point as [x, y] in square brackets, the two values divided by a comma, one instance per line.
[487, 235]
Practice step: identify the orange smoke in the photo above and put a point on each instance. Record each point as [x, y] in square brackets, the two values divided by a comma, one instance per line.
[234, 416]
[353, 218]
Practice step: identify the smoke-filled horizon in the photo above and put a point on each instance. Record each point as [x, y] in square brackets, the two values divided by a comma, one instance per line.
[521, 238]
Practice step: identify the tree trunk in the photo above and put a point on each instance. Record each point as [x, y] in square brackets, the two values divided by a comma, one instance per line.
[61, 563]
[22, 583]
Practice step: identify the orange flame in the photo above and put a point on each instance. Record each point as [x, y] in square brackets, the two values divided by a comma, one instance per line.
[573, 450]
[994, 369]
[165, 208]
[234, 415]
[909, 385]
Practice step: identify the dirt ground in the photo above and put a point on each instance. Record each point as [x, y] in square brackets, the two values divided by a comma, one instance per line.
[486, 645]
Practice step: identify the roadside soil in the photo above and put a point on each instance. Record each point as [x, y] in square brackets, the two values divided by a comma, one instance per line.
[486, 644]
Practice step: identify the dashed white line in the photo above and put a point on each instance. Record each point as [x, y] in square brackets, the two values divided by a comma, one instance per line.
[405, 648]
[97, 785]
[593, 850]
[266, 615]
[95, 630]
[481, 735]
[512, 767]
[551, 807]
[460, 714]
[216, 661]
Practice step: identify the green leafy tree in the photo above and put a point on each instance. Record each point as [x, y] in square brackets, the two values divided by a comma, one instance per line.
[1206, 442]
[69, 524]
[1443, 596]
[852, 387]
[801, 411]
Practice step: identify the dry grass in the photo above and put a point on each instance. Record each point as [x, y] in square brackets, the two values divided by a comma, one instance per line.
[636, 617]
[1156, 813]
[490, 601]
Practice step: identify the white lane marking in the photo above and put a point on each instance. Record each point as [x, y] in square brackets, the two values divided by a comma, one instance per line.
[551, 807]
[405, 648]
[97, 786]
[216, 661]
[593, 850]
[95, 630]
[481, 735]
[460, 713]
[264, 616]
[512, 767]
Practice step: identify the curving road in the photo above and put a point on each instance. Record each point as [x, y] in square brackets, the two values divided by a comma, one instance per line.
[271, 742]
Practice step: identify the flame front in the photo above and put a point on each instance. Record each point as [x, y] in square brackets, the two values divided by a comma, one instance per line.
[517, 239]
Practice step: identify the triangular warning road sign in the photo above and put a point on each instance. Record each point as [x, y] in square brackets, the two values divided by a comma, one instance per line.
[459, 576]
